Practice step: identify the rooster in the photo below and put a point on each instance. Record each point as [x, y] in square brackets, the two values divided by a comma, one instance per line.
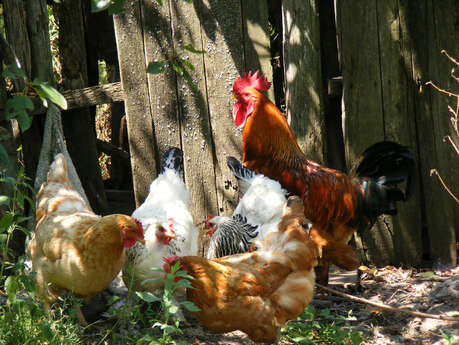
[169, 228]
[258, 212]
[256, 292]
[336, 203]
[72, 248]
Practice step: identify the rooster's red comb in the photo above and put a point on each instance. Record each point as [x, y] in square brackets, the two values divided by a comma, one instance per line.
[251, 80]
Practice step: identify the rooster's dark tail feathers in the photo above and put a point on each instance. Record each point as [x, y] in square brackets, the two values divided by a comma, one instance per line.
[381, 168]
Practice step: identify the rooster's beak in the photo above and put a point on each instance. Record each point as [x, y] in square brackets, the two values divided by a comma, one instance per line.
[233, 97]
[142, 242]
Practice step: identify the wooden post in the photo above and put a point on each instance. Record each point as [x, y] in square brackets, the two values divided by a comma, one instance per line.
[430, 27]
[303, 76]
[131, 53]
[363, 119]
[78, 125]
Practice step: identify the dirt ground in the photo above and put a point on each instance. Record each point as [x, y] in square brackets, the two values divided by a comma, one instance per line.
[433, 292]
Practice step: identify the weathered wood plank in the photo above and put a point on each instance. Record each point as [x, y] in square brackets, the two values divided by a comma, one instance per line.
[129, 40]
[194, 115]
[363, 122]
[85, 97]
[430, 26]
[303, 76]
[16, 32]
[222, 60]
[78, 124]
[257, 47]
[162, 87]
[399, 126]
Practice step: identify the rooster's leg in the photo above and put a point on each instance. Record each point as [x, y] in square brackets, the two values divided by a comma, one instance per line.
[322, 272]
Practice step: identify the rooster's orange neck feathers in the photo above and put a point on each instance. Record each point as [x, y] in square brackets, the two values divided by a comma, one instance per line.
[267, 130]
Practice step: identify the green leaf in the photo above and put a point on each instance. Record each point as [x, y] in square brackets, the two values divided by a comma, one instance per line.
[187, 64]
[49, 92]
[22, 219]
[4, 200]
[183, 283]
[189, 80]
[100, 5]
[192, 49]
[25, 121]
[3, 238]
[147, 296]
[6, 221]
[160, 2]
[17, 105]
[11, 287]
[177, 68]
[190, 306]
[188, 1]
[12, 71]
[156, 67]
[4, 159]
[184, 274]
[117, 7]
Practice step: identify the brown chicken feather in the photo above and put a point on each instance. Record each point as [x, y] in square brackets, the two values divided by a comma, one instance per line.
[257, 292]
[72, 248]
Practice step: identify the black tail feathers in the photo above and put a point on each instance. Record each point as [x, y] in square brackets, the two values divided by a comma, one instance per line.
[382, 168]
[389, 164]
[239, 171]
[172, 159]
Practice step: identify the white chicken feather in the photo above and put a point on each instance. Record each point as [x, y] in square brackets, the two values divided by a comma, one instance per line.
[168, 225]
[258, 212]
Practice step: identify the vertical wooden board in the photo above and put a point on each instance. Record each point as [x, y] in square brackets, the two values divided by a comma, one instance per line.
[446, 19]
[303, 76]
[131, 57]
[399, 126]
[257, 46]
[162, 87]
[222, 41]
[443, 18]
[439, 213]
[363, 123]
[195, 126]
[16, 32]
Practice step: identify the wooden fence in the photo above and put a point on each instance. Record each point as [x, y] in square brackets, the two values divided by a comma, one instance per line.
[354, 73]
[387, 49]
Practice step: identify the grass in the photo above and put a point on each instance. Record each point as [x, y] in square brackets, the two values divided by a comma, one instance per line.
[320, 327]
[145, 318]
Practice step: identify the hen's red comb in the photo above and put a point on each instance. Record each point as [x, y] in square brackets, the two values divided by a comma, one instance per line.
[170, 260]
[139, 224]
[251, 80]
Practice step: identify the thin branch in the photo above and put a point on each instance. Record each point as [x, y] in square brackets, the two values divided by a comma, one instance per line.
[448, 138]
[388, 307]
[434, 171]
[450, 94]
[449, 57]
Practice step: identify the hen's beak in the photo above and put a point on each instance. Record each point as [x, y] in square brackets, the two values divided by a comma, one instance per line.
[142, 242]
[233, 97]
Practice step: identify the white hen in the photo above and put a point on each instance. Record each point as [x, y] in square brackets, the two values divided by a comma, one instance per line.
[168, 225]
[259, 211]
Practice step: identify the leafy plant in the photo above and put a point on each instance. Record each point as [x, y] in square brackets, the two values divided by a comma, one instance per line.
[13, 216]
[179, 64]
[330, 330]
[168, 320]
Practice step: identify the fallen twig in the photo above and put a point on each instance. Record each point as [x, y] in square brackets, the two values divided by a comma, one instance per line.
[388, 307]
